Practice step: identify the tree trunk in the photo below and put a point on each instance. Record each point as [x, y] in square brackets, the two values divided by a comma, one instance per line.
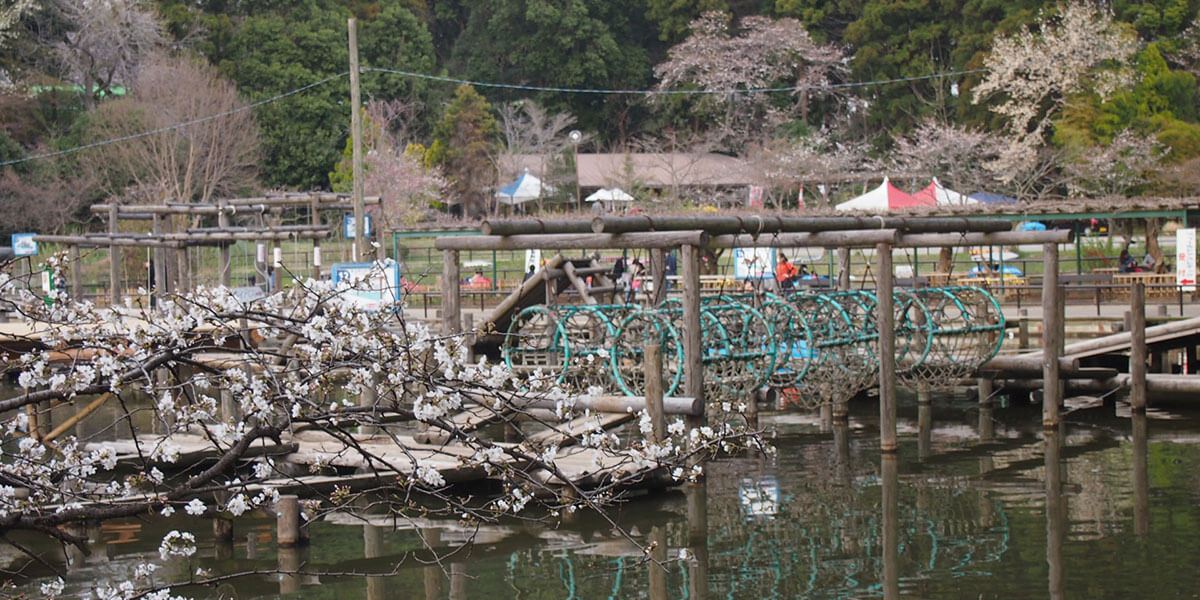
[945, 260]
[1153, 226]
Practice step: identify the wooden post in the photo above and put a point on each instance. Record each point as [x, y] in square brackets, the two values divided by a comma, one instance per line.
[222, 530]
[1052, 336]
[432, 574]
[1137, 347]
[985, 388]
[76, 274]
[114, 262]
[884, 317]
[289, 565]
[451, 294]
[373, 548]
[653, 365]
[1023, 328]
[693, 369]
[924, 430]
[287, 521]
[360, 242]
[658, 272]
[314, 209]
[158, 266]
[277, 263]
[226, 265]
[843, 269]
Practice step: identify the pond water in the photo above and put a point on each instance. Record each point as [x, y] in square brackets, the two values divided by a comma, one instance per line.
[978, 503]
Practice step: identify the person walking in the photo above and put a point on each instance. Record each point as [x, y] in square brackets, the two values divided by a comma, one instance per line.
[785, 273]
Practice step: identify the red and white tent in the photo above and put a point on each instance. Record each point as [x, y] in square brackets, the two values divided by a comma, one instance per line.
[884, 198]
[936, 193]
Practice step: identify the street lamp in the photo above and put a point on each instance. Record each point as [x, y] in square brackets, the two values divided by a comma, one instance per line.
[576, 136]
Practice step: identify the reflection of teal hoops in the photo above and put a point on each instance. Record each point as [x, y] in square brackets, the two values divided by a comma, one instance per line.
[515, 350]
[634, 332]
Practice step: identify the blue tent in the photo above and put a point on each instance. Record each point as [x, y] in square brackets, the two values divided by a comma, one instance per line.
[991, 198]
[525, 188]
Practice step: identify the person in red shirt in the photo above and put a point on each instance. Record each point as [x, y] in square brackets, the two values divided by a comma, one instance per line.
[785, 273]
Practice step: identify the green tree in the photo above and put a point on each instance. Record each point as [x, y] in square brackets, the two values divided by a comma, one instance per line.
[465, 145]
[673, 17]
[582, 44]
[273, 49]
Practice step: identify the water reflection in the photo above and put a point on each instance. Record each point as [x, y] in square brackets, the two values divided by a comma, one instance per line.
[828, 517]
[1056, 511]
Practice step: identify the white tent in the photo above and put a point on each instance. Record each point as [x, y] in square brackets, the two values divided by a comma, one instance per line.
[943, 196]
[525, 188]
[609, 195]
[884, 198]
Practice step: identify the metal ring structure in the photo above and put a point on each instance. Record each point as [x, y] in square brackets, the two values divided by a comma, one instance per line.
[819, 347]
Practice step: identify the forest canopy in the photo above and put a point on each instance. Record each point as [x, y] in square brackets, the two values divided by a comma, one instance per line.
[761, 81]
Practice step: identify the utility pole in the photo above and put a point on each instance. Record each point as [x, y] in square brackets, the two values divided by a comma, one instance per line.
[361, 245]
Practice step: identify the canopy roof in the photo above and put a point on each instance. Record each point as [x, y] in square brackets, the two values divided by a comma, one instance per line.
[937, 194]
[609, 195]
[525, 188]
[991, 198]
[884, 198]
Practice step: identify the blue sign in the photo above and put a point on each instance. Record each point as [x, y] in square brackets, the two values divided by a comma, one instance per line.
[348, 222]
[23, 244]
[369, 285]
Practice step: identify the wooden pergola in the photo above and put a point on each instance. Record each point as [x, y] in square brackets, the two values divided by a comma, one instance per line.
[688, 235]
[170, 241]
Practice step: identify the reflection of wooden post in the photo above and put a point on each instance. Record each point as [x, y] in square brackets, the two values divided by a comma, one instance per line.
[697, 523]
[458, 581]
[1137, 347]
[1052, 336]
[1055, 513]
[924, 430]
[889, 481]
[884, 317]
[658, 566]
[451, 294]
[1141, 476]
[432, 574]
[289, 565]
[373, 548]
[654, 392]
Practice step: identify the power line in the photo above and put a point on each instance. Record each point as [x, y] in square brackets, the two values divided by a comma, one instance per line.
[484, 84]
[181, 125]
[632, 92]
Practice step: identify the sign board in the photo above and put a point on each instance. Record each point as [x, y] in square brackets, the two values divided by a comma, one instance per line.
[369, 285]
[754, 198]
[23, 244]
[348, 223]
[754, 263]
[247, 294]
[1185, 258]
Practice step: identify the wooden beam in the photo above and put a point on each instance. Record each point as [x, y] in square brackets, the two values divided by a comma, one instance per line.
[999, 238]
[1052, 336]
[693, 367]
[574, 241]
[580, 286]
[886, 355]
[757, 224]
[820, 239]
[531, 226]
[451, 293]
